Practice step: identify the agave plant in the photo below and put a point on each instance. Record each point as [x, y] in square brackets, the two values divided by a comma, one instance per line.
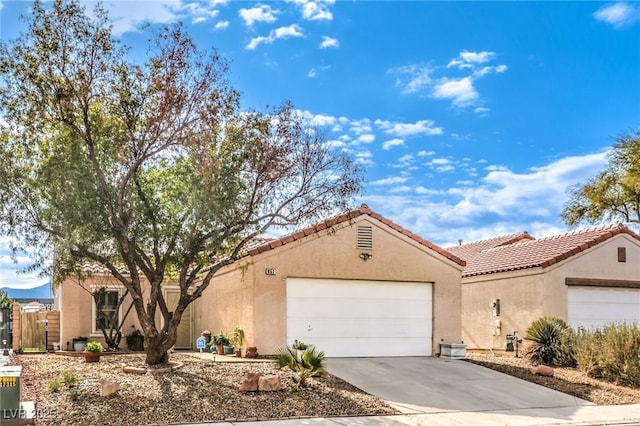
[305, 363]
[548, 337]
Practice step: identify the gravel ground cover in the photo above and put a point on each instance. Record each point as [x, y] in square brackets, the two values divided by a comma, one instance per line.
[200, 390]
[567, 380]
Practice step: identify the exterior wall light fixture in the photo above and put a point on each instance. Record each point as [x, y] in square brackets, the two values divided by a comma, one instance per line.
[365, 256]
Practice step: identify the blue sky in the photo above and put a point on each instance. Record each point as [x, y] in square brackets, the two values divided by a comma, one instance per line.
[470, 118]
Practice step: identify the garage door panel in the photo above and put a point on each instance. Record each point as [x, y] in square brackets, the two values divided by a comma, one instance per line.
[347, 318]
[357, 289]
[357, 328]
[595, 307]
[346, 308]
[387, 347]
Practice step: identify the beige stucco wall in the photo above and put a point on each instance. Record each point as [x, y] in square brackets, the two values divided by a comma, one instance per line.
[532, 293]
[75, 305]
[257, 301]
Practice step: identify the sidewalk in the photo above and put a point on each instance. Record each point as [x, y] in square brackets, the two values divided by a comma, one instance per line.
[627, 415]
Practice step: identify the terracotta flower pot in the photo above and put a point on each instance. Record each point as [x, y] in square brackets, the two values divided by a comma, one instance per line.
[92, 356]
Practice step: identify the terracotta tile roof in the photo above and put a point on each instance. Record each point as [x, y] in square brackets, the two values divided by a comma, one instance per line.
[470, 250]
[345, 217]
[543, 252]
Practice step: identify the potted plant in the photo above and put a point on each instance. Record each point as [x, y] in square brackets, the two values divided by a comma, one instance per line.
[79, 343]
[220, 340]
[92, 352]
[135, 341]
[237, 339]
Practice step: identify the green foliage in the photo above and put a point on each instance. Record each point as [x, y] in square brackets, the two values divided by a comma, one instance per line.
[305, 363]
[614, 194]
[5, 300]
[237, 337]
[551, 342]
[147, 167]
[299, 345]
[68, 378]
[94, 347]
[611, 352]
[221, 339]
[54, 385]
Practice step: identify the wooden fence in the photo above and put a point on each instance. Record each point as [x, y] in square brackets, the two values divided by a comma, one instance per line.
[35, 331]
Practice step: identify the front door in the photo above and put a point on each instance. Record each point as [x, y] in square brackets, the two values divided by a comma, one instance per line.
[185, 328]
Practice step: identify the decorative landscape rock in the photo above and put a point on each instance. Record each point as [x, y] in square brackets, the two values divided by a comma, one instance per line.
[108, 387]
[269, 383]
[542, 370]
[249, 382]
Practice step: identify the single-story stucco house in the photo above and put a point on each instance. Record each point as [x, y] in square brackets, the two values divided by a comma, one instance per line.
[589, 278]
[353, 285]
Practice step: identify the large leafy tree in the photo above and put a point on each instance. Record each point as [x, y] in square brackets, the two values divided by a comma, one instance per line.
[147, 168]
[614, 194]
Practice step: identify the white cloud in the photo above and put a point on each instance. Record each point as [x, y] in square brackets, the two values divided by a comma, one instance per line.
[460, 91]
[481, 110]
[488, 70]
[315, 10]
[619, 14]
[312, 73]
[360, 127]
[366, 138]
[262, 13]
[364, 158]
[501, 202]
[424, 153]
[466, 57]
[421, 127]
[255, 42]
[328, 42]
[389, 181]
[419, 77]
[222, 25]
[401, 188]
[293, 30]
[320, 120]
[426, 191]
[386, 145]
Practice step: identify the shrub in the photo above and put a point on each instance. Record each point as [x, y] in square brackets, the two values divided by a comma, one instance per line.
[611, 353]
[68, 378]
[551, 340]
[94, 347]
[55, 385]
[305, 363]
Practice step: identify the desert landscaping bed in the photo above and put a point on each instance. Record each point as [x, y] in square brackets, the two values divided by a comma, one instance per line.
[201, 390]
[567, 380]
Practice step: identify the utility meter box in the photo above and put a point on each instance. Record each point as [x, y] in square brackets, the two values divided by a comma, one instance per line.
[10, 385]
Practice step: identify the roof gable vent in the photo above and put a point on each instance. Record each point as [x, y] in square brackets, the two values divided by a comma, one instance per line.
[365, 238]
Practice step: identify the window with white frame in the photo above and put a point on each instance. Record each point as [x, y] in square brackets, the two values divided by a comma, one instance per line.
[106, 312]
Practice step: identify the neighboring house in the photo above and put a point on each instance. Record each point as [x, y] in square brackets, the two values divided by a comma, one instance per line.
[353, 285]
[589, 278]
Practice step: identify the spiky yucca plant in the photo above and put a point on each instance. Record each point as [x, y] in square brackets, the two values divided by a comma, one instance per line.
[305, 363]
[547, 335]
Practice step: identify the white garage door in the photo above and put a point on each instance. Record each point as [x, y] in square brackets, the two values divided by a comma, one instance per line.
[350, 318]
[591, 307]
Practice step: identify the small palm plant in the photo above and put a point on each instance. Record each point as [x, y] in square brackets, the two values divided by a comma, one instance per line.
[549, 335]
[304, 360]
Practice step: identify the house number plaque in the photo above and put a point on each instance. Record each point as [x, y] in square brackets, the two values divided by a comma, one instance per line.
[270, 271]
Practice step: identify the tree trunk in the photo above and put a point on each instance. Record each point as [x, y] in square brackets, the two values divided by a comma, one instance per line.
[155, 356]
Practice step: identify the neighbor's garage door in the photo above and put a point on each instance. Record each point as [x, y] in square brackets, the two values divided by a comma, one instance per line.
[349, 318]
[594, 307]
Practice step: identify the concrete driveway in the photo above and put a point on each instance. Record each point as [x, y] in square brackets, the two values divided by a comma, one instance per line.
[436, 385]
